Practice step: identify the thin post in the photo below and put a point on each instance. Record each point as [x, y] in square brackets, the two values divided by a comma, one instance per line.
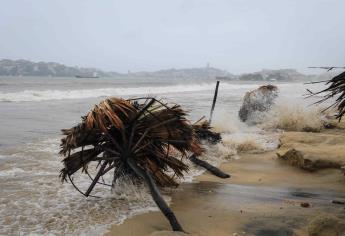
[214, 101]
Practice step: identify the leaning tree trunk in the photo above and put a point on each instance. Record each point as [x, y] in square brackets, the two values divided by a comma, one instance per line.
[157, 197]
[214, 170]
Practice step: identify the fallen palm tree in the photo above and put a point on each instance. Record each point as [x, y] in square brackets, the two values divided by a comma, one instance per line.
[143, 138]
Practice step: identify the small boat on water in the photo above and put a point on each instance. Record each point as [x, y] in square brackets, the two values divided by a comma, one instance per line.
[94, 76]
[83, 76]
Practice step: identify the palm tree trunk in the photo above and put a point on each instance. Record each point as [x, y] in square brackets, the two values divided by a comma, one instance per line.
[157, 197]
[214, 170]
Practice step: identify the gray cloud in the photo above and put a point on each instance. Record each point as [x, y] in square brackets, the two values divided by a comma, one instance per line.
[237, 35]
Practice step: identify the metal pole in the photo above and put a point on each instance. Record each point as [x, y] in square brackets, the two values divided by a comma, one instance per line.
[214, 101]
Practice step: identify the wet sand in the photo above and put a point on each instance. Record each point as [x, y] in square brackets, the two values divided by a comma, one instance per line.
[263, 196]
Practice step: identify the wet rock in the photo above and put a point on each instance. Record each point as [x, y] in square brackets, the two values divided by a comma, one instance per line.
[305, 204]
[168, 233]
[326, 225]
[258, 100]
[296, 158]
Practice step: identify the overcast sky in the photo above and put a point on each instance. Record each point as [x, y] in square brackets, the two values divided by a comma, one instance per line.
[236, 35]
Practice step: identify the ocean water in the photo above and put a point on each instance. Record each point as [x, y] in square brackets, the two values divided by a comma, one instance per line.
[33, 201]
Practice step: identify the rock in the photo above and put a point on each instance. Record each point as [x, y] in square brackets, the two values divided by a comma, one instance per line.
[305, 204]
[326, 225]
[168, 233]
[293, 158]
[258, 100]
[296, 158]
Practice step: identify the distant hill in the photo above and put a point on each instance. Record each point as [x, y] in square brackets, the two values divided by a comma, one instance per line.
[276, 75]
[29, 68]
[190, 73]
[53, 69]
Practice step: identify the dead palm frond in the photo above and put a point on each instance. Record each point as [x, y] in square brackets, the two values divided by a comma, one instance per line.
[203, 131]
[144, 138]
[336, 88]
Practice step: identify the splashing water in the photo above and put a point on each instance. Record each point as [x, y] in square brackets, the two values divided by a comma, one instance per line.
[290, 116]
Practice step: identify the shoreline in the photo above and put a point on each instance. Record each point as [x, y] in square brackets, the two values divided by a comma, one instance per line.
[262, 197]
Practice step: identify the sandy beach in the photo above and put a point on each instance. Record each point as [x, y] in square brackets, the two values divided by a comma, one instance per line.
[264, 195]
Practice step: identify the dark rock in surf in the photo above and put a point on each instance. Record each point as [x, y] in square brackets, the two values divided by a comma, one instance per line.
[258, 100]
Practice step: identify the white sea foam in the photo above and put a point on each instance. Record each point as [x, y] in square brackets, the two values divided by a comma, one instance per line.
[44, 206]
[11, 172]
[45, 95]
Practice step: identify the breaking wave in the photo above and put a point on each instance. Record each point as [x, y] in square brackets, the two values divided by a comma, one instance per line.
[45, 95]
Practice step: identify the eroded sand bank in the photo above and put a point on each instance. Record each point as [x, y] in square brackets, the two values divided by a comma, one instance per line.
[263, 196]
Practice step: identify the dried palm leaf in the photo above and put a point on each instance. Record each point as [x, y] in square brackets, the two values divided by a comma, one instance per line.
[336, 88]
[204, 131]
